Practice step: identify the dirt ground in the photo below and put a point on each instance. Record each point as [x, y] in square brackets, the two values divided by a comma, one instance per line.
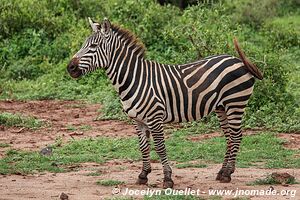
[61, 115]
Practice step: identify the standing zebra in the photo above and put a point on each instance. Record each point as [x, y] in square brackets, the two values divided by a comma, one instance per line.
[153, 94]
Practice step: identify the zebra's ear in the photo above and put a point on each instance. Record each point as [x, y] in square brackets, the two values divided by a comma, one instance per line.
[105, 26]
[95, 25]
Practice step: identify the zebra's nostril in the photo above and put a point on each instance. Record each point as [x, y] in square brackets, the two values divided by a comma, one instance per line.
[73, 67]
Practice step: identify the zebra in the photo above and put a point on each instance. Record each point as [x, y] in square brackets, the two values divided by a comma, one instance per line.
[153, 94]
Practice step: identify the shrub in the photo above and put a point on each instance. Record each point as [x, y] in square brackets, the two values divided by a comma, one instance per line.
[284, 32]
[254, 12]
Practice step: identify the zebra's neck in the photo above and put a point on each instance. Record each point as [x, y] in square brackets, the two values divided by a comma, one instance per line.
[126, 65]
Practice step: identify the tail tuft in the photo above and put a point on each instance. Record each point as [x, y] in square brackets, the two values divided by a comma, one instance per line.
[251, 67]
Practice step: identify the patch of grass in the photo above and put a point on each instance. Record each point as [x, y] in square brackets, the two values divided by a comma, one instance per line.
[264, 147]
[81, 128]
[190, 165]
[77, 151]
[4, 145]
[94, 174]
[269, 180]
[18, 120]
[85, 127]
[109, 182]
[71, 128]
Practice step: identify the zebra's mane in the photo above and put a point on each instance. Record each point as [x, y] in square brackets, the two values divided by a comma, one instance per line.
[130, 39]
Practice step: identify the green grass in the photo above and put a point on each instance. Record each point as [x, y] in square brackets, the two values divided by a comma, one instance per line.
[85, 127]
[71, 128]
[18, 120]
[269, 180]
[94, 174]
[4, 145]
[109, 182]
[80, 128]
[77, 151]
[263, 147]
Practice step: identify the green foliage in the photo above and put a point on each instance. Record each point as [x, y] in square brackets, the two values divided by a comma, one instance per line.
[284, 32]
[35, 48]
[9, 119]
[48, 15]
[4, 145]
[249, 12]
[109, 182]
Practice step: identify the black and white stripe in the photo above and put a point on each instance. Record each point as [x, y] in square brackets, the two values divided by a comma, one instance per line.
[154, 94]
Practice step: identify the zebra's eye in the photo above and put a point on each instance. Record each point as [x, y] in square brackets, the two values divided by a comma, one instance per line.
[93, 46]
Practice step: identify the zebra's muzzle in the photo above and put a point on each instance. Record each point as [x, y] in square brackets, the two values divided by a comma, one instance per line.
[73, 68]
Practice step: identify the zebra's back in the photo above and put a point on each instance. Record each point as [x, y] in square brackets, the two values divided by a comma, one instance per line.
[191, 91]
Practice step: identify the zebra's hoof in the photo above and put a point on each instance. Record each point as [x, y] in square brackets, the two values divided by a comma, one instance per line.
[225, 179]
[219, 176]
[168, 184]
[142, 181]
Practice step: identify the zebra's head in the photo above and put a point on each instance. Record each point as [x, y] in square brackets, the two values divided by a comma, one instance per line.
[95, 51]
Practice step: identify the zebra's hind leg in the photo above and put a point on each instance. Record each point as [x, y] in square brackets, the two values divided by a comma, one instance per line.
[159, 143]
[234, 118]
[144, 142]
[225, 128]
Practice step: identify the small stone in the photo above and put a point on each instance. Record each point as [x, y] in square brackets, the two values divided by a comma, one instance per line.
[63, 196]
[47, 151]
[283, 178]
[76, 116]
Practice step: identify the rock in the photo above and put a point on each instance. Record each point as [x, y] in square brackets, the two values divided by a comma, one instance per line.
[283, 178]
[63, 196]
[47, 151]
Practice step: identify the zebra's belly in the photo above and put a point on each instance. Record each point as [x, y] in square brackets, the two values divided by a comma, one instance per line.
[194, 107]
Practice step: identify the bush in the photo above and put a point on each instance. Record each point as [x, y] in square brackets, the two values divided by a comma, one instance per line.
[52, 16]
[254, 12]
[284, 32]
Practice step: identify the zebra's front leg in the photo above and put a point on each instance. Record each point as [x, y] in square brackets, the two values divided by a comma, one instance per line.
[144, 142]
[159, 143]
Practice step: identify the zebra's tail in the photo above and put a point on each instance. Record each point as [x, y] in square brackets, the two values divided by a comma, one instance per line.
[251, 67]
